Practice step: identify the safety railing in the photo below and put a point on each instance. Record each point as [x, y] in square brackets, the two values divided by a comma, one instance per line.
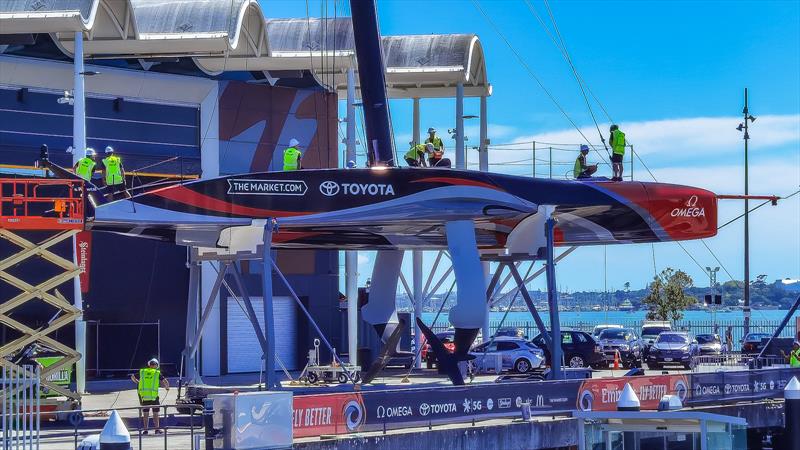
[20, 407]
[41, 204]
[734, 361]
[182, 431]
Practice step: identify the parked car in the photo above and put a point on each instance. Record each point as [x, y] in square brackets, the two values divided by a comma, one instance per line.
[430, 357]
[710, 344]
[517, 354]
[650, 331]
[672, 347]
[579, 349]
[754, 342]
[626, 342]
[511, 331]
[600, 328]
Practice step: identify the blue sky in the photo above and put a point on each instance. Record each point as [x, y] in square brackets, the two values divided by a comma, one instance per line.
[671, 73]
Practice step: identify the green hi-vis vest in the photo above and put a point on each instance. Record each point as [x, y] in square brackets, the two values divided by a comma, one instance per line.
[436, 141]
[794, 358]
[415, 151]
[290, 158]
[578, 169]
[618, 142]
[148, 383]
[85, 168]
[113, 166]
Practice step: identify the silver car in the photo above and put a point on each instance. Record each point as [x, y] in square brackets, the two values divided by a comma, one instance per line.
[516, 354]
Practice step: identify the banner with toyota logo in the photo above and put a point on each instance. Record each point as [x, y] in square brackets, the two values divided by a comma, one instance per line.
[372, 410]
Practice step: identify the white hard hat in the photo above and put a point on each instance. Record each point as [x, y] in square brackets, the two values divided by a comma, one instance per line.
[294, 142]
[431, 130]
[90, 152]
[351, 164]
[109, 149]
[152, 361]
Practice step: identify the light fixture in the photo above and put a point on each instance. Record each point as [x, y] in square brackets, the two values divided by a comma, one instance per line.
[740, 127]
[751, 118]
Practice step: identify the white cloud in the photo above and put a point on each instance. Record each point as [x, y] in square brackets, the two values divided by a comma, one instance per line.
[684, 136]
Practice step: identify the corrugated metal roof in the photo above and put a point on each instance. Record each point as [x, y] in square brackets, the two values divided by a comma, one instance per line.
[233, 35]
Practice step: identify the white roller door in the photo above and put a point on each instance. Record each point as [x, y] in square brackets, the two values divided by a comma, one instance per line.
[244, 351]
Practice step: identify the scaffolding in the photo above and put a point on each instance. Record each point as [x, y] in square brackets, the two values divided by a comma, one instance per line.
[54, 208]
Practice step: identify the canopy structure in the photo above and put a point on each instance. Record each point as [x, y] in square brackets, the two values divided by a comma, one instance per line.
[234, 35]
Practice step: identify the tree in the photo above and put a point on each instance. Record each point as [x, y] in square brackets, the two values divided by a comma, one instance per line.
[667, 298]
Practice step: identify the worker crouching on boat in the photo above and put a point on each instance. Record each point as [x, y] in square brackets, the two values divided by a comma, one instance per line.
[416, 155]
[581, 169]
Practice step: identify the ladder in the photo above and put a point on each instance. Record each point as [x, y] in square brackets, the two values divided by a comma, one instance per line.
[53, 208]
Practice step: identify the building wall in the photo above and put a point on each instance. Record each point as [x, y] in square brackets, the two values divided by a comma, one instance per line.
[242, 127]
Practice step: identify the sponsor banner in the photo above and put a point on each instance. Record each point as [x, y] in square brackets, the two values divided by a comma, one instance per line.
[728, 386]
[374, 410]
[601, 394]
[315, 415]
[83, 251]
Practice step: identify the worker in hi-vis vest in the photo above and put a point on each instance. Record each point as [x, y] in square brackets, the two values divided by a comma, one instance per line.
[581, 169]
[113, 173]
[292, 157]
[85, 166]
[148, 382]
[793, 358]
[435, 157]
[617, 141]
[415, 156]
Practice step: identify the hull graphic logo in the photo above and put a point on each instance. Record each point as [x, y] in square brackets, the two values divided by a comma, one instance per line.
[329, 188]
[266, 187]
[691, 209]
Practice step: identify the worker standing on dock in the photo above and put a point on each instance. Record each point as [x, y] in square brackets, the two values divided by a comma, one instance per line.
[435, 157]
[292, 157]
[415, 156]
[617, 141]
[149, 380]
[729, 339]
[581, 169]
[85, 166]
[113, 172]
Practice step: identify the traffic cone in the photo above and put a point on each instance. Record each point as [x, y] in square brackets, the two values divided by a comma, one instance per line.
[616, 360]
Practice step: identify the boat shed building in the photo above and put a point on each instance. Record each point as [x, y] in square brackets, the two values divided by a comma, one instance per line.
[188, 89]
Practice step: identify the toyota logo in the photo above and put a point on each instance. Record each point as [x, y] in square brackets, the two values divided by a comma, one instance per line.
[692, 202]
[424, 409]
[329, 188]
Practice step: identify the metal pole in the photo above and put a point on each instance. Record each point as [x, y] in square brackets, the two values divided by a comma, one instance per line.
[461, 162]
[791, 395]
[416, 255]
[269, 321]
[191, 320]
[632, 162]
[351, 257]
[78, 152]
[418, 301]
[483, 166]
[551, 163]
[534, 160]
[746, 308]
[483, 157]
[552, 300]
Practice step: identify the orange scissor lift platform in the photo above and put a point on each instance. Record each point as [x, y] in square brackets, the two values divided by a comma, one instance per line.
[54, 207]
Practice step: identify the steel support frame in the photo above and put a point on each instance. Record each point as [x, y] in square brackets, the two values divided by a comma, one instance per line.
[65, 315]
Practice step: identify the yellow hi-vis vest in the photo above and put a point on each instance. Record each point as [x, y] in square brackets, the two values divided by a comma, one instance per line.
[618, 142]
[579, 163]
[437, 147]
[290, 158]
[794, 358]
[148, 383]
[85, 168]
[416, 151]
[113, 165]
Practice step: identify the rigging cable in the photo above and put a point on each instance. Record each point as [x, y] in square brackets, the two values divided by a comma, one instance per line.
[578, 79]
[530, 71]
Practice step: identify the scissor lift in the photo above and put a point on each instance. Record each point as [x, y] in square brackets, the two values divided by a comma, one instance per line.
[54, 207]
